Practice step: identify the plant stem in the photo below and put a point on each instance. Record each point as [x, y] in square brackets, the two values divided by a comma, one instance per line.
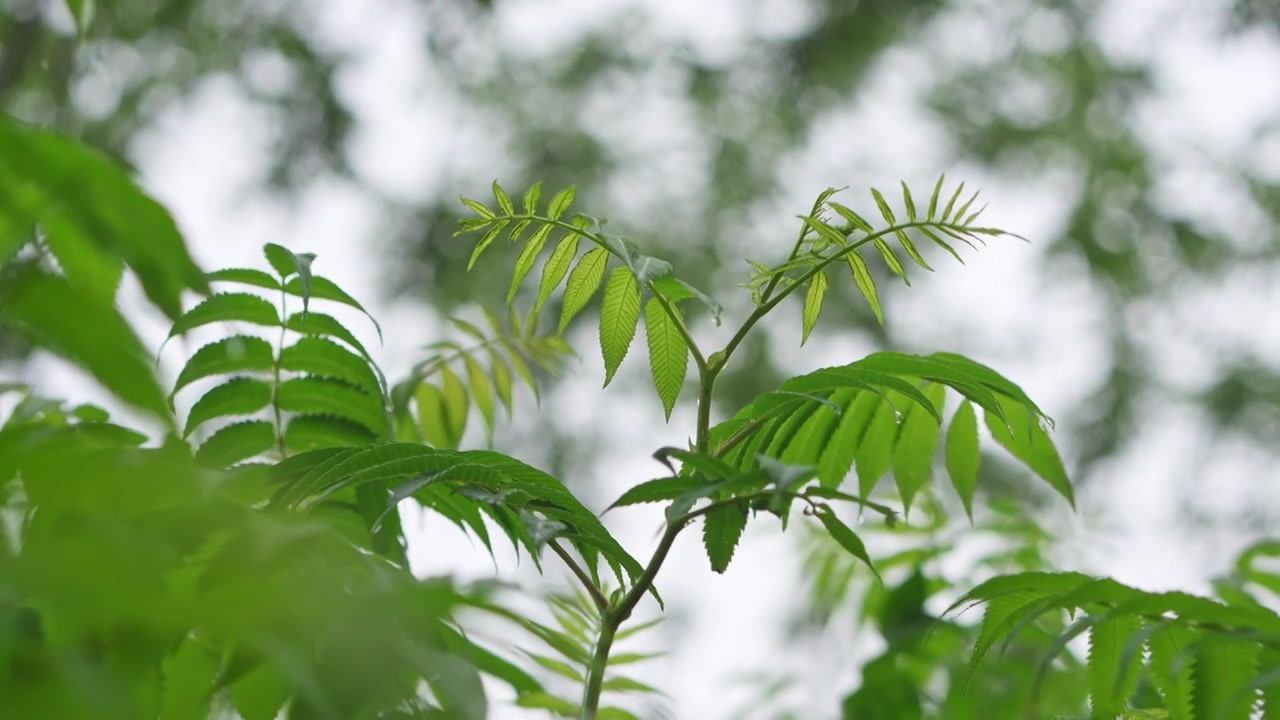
[595, 673]
[602, 603]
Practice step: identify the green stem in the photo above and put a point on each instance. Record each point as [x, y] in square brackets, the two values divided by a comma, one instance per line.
[595, 672]
[602, 603]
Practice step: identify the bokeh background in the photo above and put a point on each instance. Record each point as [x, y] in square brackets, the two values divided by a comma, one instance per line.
[1136, 143]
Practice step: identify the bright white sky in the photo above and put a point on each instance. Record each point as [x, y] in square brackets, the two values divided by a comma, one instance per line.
[1044, 332]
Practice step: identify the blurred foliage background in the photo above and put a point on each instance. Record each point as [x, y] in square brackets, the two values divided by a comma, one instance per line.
[700, 128]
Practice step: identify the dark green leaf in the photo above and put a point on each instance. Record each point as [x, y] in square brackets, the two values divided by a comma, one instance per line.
[312, 432]
[314, 323]
[236, 442]
[325, 289]
[325, 358]
[238, 396]
[317, 396]
[721, 530]
[846, 538]
[657, 490]
[244, 276]
[239, 353]
[228, 307]
[917, 442]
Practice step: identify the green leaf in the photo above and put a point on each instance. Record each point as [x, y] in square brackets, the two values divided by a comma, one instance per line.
[228, 307]
[838, 457]
[317, 396]
[325, 358]
[676, 290]
[284, 261]
[626, 684]
[722, 528]
[504, 202]
[946, 212]
[531, 197]
[546, 701]
[933, 199]
[106, 209]
[1107, 640]
[314, 323]
[912, 252]
[619, 315]
[852, 217]
[528, 257]
[236, 442]
[553, 271]
[501, 379]
[667, 488]
[190, 673]
[244, 276]
[917, 442]
[52, 314]
[582, 284]
[85, 264]
[813, 304]
[479, 208]
[846, 537]
[238, 353]
[313, 432]
[561, 202]
[1220, 671]
[668, 353]
[866, 283]
[237, 396]
[875, 452]
[481, 392]
[326, 289]
[559, 667]
[963, 457]
[910, 203]
[885, 210]
[1026, 441]
[1169, 669]
[891, 260]
[486, 240]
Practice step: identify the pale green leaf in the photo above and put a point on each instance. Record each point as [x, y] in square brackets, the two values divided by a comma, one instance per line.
[561, 202]
[813, 304]
[963, 457]
[891, 260]
[946, 212]
[504, 202]
[582, 284]
[527, 258]
[479, 208]
[909, 202]
[668, 354]
[865, 282]
[619, 315]
[531, 197]
[554, 269]
[933, 199]
[1027, 441]
[486, 240]
[481, 392]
